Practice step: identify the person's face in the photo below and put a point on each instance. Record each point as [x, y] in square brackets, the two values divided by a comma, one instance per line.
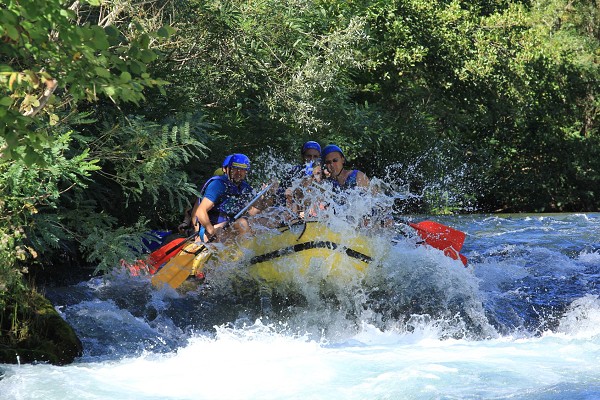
[334, 162]
[237, 175]
[311, 154]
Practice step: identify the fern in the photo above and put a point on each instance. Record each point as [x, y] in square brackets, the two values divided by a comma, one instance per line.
[107, 247]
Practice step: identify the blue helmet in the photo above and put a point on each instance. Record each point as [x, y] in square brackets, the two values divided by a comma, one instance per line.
[239, 161]
[331, 148]
[311, 145]
[226, 161]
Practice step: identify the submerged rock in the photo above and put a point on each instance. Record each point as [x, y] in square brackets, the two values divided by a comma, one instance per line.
[49, 337]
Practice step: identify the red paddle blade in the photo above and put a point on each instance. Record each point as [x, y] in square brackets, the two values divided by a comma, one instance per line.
[455, 255]
[164, 254]
[440, 236]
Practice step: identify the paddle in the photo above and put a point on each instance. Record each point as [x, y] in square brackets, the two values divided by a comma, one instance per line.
[164, 253]
[439, 236]
[442, 237]
[179, 268]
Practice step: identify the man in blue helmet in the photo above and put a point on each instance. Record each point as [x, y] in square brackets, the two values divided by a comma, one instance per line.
[222, 197]
[186, 227]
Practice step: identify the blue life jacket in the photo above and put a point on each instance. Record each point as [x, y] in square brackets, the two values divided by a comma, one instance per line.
[229, 203]
[350, 182]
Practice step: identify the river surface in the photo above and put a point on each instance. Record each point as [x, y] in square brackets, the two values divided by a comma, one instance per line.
[522, 321]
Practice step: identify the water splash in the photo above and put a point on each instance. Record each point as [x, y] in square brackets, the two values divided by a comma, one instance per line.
[582, 318]
[547, 320]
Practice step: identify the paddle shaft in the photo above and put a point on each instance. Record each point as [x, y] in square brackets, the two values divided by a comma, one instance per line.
[243, 210]
[168, 254]
[254, 200]
[175, 273]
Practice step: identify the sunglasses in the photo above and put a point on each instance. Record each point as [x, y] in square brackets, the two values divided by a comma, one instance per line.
[333, 160]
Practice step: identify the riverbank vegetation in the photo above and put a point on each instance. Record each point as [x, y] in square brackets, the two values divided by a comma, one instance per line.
[112, 112]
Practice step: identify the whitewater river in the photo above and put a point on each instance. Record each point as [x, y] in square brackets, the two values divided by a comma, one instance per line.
[521, 322]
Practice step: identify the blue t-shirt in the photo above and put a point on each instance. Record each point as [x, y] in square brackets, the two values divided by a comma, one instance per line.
[228, 198]
[215, 190]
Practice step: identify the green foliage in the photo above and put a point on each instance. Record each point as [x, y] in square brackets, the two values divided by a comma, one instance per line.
[106, 245]
[11, 284]
[490, 84]
[535, 73]
[47, 61]
[489, 104]
[54, 61]
[25, 191]
[95, 189]
[269, 72]
[142, 156]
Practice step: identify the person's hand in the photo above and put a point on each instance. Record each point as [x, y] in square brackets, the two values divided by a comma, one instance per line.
[317, 173]
[183, 226]
[273, 189]
[217, 234]
[274, 185]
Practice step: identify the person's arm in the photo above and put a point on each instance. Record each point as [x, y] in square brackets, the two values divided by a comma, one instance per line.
[187, 220]
[193, 222]
[361, 179]
[201, 215]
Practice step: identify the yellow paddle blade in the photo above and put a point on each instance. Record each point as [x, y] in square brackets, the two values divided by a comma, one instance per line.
[179, 268]
[200, 260]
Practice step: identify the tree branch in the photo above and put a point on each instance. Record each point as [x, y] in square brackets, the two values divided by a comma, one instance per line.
[51, 85]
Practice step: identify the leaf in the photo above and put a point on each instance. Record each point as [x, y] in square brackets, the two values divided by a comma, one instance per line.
[144, 41]
[163, 32]
[102, 72]
[136, 67]
[110, 91]
[53, 119]
[113, 34]
[12, 32]
[125, 77]
[112, 31]
[13, 77]
[100, 39]
[148, 56]
[31, 158]
[9, 16]
[6, 102]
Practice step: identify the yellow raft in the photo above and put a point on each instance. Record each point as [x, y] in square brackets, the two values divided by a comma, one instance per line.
[307, 249]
